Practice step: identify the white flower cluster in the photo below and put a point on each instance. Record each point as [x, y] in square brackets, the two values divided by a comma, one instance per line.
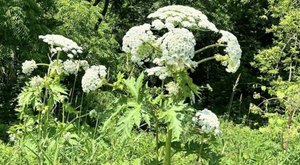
[160, 71]
[60, 43]
[178, 47]
[36, 81]
[71, 67]
[171, 16]
[134, 38]
[208, 121]
[28, 66]
[93, 78]
[233, 50]
[84, 64]
[172, 88]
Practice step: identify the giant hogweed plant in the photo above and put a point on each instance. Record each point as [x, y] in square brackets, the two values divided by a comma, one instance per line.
[45, 103]
[164, 49]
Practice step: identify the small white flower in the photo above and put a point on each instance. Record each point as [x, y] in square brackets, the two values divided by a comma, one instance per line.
[28, 66]
[161, 72]
[36, 81]
[12, 137]
[208, 25]
[158, 25]
[208, 121]
[93, 114]
[169, 26]
[71, 67]
[84, 64]
[172, 88]
[67, 136]
[70, 56]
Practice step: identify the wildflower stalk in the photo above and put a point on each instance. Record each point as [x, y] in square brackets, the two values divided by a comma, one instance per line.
[199, 160]
[167, 160]
[156, 139]
[206, 59]
[209, 46]
[232, 95]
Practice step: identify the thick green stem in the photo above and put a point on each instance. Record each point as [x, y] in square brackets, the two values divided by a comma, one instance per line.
[167, 160]
[199, 160]
[156, 140]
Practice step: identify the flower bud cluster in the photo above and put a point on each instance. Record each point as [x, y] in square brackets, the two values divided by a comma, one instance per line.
[36, 81]
[28, 66]
[172, 88]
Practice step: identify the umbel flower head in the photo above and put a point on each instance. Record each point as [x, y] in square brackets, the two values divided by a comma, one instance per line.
[134, 38]
[71, 67]
[208, 121]
[28, 66]
[36, 81]
[233, 51]
[60, 43]
[178, 49]
[180, 16]
[93, 78]
[160, 71]
[172, 88]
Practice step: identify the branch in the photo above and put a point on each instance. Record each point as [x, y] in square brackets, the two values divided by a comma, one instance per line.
[104, 11]
[209, 46]
[96, 2]
[206, 59]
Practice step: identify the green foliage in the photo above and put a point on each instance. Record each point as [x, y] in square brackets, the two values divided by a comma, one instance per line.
[278, 64]
[127, 121]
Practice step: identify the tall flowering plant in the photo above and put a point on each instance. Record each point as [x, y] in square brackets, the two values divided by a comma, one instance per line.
[45, 101]
[165, 48]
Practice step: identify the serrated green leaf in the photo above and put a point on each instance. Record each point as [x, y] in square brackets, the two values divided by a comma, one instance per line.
[25, 97]
[172, 118]
[134, 86]
[130, 85]
[146, 118]
[132, 117]
[58, 89]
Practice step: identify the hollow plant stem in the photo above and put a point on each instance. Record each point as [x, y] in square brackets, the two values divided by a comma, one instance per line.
[206, 59]
[208, 47]
[156, 140]
[167, 160]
